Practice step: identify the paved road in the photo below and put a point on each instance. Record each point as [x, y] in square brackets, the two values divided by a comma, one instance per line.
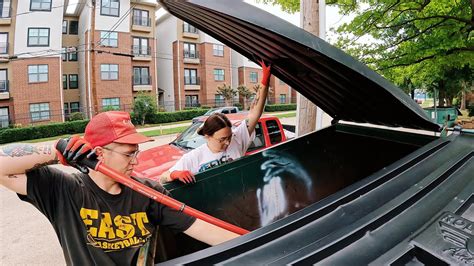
[27, 236]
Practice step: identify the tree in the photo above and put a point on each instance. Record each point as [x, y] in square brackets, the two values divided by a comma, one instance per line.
[227, 92]
[143, 106]
[246, 94]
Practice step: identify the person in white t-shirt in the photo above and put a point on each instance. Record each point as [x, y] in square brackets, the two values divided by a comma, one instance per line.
[224, 144]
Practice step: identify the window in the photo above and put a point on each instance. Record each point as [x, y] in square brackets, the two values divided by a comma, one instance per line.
[218, 50]
[65, 82]
[5, 7]
[190, 50]
[190, 76]
[141, 76]
[110, 8]
[66, 110]
[219, 74]
[4, 117]
[3, 80]
[140, 46]
[273, 131]
[39, 111]
[259, 141]
[189, 28]
[113, 103]
[73, 81]
[74, 107]
[38, 36]
[64, 26]
[72, 54]
[64, 54]
[37, 73]
[219, 99]
[282, 98]
[3, 43]
[73, 27]
[109, 72]
[40, 5]
[253, 77]
[141, 18]
[192, 101]
[109, 38]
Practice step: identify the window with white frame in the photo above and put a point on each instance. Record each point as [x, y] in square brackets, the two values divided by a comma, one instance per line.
[191, 101]
[110, 8]
[190, 76]
[3, 80]
[5, 8]
[39, 112]
[141, 76]
[64, 54]
[3, 43]
[141, 18]
[140, 46]
[253, 77]
[109, 71]
[40, 5]
[189, 28]
[72, 54]
[38, 37]
[219, 74]
[37, 73]
[64, 26]
[218, 50]
[109, 38]
[113, 103]
[189, 50]
[4, 117]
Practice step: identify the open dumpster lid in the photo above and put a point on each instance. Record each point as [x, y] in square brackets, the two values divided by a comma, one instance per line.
[343, 87]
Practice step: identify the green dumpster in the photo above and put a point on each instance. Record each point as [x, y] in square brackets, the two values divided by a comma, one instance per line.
[442, 115]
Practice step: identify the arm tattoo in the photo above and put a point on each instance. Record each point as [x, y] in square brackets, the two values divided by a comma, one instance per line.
[20, 150]
[38, 165]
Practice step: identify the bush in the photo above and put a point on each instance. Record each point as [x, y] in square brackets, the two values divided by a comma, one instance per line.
[167, 117]
[238, 105]
[42, 131]
[280, 107]
[471, 110]
[76, 116]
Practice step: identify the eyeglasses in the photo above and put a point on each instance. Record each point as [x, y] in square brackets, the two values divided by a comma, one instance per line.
[131, 155]
[224, 139]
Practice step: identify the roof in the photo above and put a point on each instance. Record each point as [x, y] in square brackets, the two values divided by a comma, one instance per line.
[340, 85]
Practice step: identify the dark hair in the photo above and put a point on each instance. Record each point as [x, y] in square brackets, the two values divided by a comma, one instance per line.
[214, 122]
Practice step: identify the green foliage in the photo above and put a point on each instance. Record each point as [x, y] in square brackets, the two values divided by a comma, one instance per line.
[280, 107]
[227, 92]
[144, 105]
[42, 131]
[76, 116]
[167, 117]
[246, 95]
[290, 6]
[428, 43]
[471, 110]
[109, 108]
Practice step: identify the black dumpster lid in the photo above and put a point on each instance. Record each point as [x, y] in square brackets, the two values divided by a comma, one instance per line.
[343, 87]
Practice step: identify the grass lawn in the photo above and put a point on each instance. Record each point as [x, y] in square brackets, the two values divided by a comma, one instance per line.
[166, 131]
[286, 115]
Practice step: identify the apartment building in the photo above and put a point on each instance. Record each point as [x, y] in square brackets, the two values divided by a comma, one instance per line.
[58, 57]
[192, 65]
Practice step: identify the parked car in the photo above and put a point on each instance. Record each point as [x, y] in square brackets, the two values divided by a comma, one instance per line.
[349, 194]
[223, 110]
[151, 163]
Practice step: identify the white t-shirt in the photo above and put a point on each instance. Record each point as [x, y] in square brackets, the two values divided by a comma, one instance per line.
[202, 158]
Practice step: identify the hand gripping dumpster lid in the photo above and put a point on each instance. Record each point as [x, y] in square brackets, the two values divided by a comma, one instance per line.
[337, 83]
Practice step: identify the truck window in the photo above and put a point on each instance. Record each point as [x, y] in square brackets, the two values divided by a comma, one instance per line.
[274, 131]
[225, 111]
[233, 111]
[259, 141]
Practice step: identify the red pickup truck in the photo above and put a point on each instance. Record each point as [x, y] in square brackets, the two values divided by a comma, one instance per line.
[153, 162]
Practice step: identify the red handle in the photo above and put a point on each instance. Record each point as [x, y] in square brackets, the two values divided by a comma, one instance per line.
[166, 200]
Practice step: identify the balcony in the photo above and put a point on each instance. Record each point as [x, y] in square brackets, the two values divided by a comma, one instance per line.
[141, 53]
[141, 24]
[191, 57]
[192, 83]
[5, 16]
[4, 90]
[141, 83]
[190, 31]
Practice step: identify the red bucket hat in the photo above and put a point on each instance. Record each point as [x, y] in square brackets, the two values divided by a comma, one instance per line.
[113, 126]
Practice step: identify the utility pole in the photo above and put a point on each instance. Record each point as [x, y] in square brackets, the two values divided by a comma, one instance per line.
[307, 112]
[95, 104]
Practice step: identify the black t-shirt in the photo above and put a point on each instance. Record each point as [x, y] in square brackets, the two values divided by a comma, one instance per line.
[93, 226]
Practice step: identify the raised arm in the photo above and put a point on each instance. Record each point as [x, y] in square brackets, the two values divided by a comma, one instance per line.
[209, 233]
[256, 109]
[17, 158]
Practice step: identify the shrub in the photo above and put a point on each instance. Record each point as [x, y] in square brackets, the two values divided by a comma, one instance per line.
[76, 116]
[167, 117]
[42, 131]
[471, 110]
[280, 107]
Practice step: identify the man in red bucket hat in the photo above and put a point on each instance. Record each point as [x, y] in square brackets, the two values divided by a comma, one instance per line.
[97, 220]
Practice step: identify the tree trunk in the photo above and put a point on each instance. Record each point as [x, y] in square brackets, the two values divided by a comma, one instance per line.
[463, 100]
[306, 109]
